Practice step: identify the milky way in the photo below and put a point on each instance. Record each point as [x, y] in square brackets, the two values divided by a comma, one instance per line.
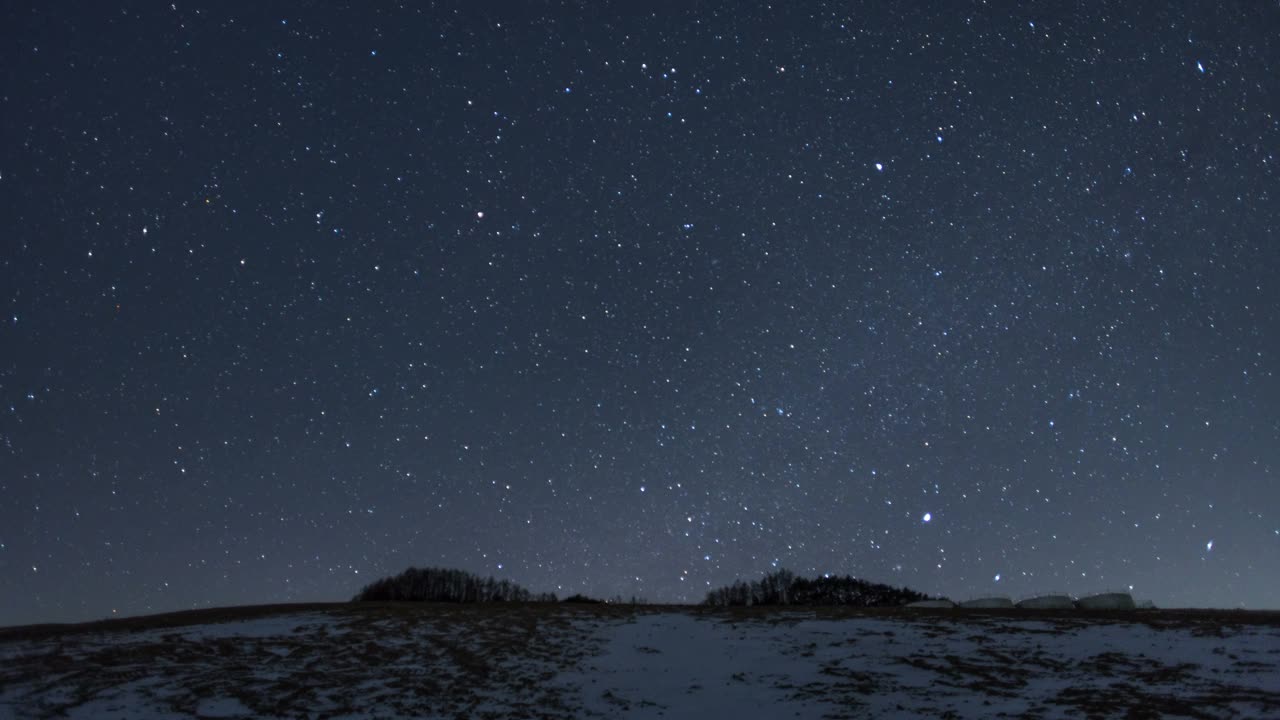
[974, 300]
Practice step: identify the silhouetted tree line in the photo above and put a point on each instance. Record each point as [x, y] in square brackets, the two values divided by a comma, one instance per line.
[615, 600]
[784, 588]
[447, 585]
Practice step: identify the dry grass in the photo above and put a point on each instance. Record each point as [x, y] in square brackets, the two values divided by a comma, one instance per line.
[475, 652]
[501, 660]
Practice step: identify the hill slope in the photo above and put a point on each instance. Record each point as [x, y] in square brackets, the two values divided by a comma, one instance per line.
[513, 661]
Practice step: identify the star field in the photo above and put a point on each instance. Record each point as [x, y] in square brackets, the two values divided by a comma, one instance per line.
[974, 299]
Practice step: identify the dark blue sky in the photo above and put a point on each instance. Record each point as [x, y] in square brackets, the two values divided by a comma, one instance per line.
[975, 299]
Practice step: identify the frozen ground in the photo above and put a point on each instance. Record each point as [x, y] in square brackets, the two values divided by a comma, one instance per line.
[429, 661]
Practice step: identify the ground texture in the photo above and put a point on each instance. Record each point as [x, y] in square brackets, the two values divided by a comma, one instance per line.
[554, 661]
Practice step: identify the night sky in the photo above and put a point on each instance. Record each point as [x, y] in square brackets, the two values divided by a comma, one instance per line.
[975, 299]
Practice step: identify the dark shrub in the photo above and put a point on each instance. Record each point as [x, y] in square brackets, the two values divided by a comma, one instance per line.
[784, 588]
[446, 585]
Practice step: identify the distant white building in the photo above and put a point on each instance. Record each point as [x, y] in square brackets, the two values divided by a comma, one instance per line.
[1048, 602]
[988, 602]
[1107, 601]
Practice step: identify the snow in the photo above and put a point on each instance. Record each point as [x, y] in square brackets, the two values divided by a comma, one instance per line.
[673, 666]
[225, 707]
[278, 626]
[677, 666]
[646, 663]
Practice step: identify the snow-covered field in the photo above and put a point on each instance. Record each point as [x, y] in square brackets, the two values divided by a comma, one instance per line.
[432, 661]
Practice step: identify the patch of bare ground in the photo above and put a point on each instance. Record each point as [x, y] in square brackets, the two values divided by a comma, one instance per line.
[408, 660]
[502, 661]
[1127, 700]
[158, 621]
